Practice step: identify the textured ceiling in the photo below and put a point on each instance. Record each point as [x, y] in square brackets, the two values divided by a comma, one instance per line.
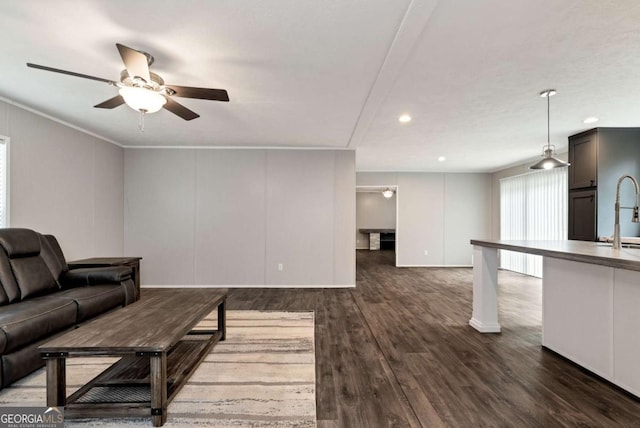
[338, 73]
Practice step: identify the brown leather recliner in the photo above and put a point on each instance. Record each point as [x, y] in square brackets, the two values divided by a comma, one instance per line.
[40, 297]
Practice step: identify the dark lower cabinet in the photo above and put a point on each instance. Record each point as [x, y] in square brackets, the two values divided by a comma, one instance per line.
[582, 215]
[387, 241]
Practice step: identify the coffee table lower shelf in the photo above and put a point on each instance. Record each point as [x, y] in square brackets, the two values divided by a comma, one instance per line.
[124, 389]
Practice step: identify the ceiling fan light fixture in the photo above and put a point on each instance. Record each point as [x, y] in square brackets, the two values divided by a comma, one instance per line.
[548, 161]
[141, 99]
[143, 90]
[387, 193]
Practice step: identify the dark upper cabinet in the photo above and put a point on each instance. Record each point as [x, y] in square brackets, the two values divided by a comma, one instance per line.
[583, 172]
[599, 157]
[582, 215]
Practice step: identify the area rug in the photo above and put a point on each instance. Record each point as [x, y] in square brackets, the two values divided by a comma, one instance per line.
[263, 375]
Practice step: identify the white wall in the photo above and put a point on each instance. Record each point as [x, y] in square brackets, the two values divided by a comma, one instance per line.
[230, 186]
[64, 182]
[230, 217]
[373, 211]
[468, 214]
[438, 213]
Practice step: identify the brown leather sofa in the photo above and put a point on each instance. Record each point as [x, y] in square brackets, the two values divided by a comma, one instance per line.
[40, 297]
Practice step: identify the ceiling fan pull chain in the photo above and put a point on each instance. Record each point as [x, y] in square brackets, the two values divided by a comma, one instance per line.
[141, 121]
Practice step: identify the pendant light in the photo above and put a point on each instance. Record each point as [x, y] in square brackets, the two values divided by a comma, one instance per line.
[548, 160]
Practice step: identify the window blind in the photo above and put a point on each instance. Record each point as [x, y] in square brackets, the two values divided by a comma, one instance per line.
[532, 207]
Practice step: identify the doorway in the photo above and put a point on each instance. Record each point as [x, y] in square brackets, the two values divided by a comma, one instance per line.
[377, 219]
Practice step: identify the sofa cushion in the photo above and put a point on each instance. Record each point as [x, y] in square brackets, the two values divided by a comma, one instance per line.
[33, 276]
[95, 276]
[19, 242]
[5, 269]
[22, 247]
[22, 362]
[54, 261]
[9, 285]
[26, 322]
[94, 299]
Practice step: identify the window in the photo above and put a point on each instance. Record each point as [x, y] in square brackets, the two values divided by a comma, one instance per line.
[4, 181]
[533, 207]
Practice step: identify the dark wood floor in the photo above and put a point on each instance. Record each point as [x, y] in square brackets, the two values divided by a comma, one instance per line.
[398, 351]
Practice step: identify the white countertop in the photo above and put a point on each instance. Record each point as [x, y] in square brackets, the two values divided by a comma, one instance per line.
[579, 251]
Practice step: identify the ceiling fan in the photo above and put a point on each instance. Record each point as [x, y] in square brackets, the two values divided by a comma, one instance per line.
[143, 90]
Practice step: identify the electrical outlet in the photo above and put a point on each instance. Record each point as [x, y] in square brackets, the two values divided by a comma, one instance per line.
[280, 266]
[426, 252]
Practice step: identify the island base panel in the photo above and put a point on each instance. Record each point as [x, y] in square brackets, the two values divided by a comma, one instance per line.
[485, 290]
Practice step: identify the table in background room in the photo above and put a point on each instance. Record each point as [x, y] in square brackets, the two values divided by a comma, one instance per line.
[384, 239]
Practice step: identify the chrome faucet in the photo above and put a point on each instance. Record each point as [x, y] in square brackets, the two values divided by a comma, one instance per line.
[635, 218]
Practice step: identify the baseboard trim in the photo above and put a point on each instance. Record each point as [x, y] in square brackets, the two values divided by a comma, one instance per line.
[248, 286]
[484, 328]
[437, 266]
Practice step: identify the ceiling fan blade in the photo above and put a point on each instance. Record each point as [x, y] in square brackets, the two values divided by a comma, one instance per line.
[70, 73]
[135, 62]
[111, 102]
[180, 110]
[199, 93]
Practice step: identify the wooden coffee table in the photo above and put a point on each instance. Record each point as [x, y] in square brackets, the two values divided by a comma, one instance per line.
[158, 347]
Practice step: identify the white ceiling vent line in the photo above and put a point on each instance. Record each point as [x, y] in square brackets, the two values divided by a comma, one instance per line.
[415, 20]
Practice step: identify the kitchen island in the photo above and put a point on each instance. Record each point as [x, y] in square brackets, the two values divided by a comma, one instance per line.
[590, 303]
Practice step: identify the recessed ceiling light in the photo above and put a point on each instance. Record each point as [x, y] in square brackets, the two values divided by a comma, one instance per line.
[404, 118]
[590, 120]
[442, 159]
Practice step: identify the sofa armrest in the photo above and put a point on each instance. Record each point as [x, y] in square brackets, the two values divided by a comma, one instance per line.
[95, 276]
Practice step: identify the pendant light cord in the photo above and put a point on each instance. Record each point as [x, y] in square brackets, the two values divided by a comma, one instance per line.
[141, 120]
[548, 121]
